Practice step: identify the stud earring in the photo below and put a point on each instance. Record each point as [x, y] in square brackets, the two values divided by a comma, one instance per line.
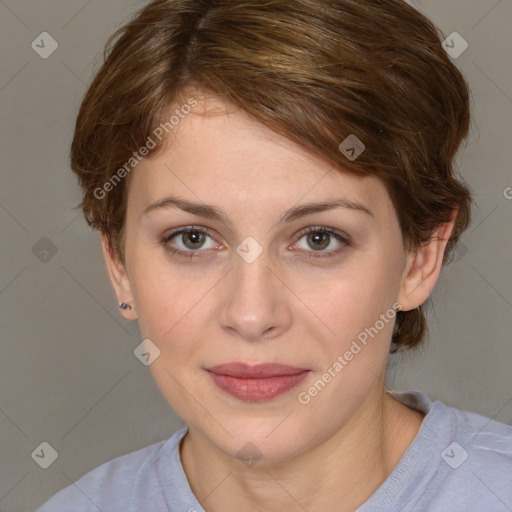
[124, 305]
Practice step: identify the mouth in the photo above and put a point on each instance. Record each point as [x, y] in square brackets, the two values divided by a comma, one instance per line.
[256, 383]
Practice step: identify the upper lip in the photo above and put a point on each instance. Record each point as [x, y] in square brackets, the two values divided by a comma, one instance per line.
[262, 371]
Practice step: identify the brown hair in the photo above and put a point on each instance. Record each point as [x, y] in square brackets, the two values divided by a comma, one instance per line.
[315, 71]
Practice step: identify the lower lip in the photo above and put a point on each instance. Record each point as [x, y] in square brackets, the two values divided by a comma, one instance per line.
[257, 390]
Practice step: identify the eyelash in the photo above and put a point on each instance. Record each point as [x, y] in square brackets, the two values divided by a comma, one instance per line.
[312, 254]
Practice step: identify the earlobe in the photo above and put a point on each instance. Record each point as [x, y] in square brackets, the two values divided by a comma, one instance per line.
[119, 279]
[424, 267]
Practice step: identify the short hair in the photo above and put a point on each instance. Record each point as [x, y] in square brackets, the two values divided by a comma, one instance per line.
[315, 71]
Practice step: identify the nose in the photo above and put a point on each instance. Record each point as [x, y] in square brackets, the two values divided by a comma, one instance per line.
[254, 303]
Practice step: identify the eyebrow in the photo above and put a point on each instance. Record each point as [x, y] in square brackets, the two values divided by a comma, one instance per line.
[211, 212]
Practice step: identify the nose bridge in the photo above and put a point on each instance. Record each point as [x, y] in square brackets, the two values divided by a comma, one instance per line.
[251, 269]
[252, 276]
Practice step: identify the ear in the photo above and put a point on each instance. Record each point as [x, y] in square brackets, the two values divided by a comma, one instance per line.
[424, 266]
[118, 278]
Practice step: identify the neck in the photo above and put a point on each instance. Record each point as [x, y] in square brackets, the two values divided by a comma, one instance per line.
[339, 474]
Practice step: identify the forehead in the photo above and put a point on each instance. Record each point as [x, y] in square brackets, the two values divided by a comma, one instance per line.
[217, 154]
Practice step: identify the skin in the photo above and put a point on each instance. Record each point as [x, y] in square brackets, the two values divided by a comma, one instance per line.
[333, 453]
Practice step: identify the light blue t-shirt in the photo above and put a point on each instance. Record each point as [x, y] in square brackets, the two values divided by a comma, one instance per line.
[459, 461]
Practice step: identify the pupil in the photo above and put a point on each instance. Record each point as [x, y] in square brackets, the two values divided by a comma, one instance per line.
[196, 238]
[317, 238]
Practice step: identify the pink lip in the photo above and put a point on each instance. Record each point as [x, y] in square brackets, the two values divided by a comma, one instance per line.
[256, 383]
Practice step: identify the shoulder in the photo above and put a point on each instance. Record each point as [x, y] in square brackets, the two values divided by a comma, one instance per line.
[459, 460]
[485, 439]
[476, 461]
[113, 485]
[484, 443]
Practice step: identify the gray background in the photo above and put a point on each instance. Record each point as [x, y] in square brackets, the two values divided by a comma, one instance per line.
[67, 371]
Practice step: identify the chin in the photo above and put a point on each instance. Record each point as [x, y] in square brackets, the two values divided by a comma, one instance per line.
[254, 447]
[258, 441]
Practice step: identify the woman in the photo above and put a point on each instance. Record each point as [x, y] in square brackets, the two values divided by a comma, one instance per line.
[274, 186]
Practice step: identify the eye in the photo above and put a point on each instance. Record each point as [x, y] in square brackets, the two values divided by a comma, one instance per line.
[189, 240]
[319, 238]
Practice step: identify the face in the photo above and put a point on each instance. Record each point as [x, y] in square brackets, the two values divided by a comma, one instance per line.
[254, 286]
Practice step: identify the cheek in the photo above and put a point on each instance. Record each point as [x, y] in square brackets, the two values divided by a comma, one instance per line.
[358, 309]
[353, 298]
[172, 306]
